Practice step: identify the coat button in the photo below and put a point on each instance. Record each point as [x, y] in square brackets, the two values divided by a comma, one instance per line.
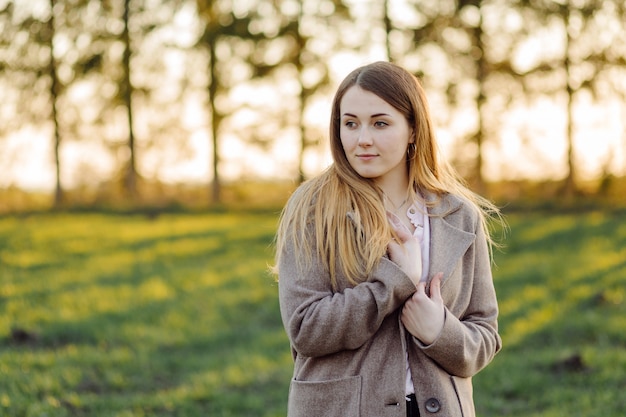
[432, 405]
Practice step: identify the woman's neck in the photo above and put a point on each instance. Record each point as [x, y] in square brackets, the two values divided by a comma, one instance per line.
[395, 192]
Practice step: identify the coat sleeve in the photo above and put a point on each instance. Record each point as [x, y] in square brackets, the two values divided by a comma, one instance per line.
[319, 321]
[469, 339]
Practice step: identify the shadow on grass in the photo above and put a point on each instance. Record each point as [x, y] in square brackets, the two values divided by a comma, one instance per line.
[562, 297]
[183, 326]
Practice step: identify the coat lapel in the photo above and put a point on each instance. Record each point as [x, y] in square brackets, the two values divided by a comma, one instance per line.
[448, 242]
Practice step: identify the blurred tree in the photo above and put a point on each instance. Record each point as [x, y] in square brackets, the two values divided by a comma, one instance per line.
[46, 54]
[449, 43]
[152, 85]
[258, 41]
[29, 75]
[91, 64]
[221, 24]
[54, 94]
[127, 94]
[388, 30]
[135, 106]
[15, 76]
[317, 35]
[75, 57]
[591, 60]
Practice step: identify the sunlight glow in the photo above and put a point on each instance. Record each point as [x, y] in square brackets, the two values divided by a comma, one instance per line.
[531, 145]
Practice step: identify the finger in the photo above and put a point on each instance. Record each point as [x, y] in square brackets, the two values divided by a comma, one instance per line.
[407, 309]
[394, 249]
[435, 287]
[393, 244]
[421, 288]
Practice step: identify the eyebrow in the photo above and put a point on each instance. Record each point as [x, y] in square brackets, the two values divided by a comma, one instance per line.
[372, 116]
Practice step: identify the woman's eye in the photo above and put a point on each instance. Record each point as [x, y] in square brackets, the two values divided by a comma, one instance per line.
[350, 124]
[380, 123]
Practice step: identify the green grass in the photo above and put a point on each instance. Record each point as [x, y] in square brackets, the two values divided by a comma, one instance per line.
[561, 285]
[110, 315]
[128, 316]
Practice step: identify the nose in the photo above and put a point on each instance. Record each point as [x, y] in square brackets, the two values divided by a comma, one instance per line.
[365, 138]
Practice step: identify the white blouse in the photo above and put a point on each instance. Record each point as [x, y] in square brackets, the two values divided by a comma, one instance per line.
[418, 216]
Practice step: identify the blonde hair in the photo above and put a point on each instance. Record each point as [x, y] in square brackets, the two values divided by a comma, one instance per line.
[340, 215]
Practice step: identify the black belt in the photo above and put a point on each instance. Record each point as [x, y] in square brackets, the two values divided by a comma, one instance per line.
[412, 410]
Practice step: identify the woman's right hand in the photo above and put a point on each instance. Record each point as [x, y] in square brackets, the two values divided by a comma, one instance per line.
[406, 253]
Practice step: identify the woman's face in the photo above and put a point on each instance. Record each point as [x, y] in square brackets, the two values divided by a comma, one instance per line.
[374, 136]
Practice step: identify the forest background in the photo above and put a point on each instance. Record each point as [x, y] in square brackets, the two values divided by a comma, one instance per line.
[197, 103]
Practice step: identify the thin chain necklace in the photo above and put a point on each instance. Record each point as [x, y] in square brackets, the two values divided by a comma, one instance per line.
[397, 208]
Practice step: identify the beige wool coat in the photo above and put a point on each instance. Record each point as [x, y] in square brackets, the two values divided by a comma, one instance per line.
[350, 347]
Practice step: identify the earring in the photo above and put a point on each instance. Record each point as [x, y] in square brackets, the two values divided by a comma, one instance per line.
[411, 150]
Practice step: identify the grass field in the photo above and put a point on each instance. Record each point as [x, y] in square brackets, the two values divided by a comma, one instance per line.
[176, 315]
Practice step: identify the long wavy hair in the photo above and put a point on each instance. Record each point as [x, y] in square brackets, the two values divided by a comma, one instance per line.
[339, 218]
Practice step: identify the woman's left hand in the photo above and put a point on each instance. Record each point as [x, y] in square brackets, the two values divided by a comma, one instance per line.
[423, 314]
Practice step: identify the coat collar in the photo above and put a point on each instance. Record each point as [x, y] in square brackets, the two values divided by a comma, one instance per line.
[448, 242]
[441, 205]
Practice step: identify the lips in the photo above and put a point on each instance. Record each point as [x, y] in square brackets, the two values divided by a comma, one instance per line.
[366, 156]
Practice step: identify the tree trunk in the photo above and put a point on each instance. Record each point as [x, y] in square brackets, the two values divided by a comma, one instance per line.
[302, 97]
[388, 29]
[54, 93]
[481, 76]
[131, 169]
[569, 188]
[215, 123]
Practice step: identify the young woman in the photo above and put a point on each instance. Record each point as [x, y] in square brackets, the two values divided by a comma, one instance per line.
[383, 262]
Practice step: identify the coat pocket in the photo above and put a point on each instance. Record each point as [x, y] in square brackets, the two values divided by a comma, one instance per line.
[465, 394]
[332, 398]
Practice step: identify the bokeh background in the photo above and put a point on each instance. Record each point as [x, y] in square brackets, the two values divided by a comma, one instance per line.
[147, 147]
[144, 101]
